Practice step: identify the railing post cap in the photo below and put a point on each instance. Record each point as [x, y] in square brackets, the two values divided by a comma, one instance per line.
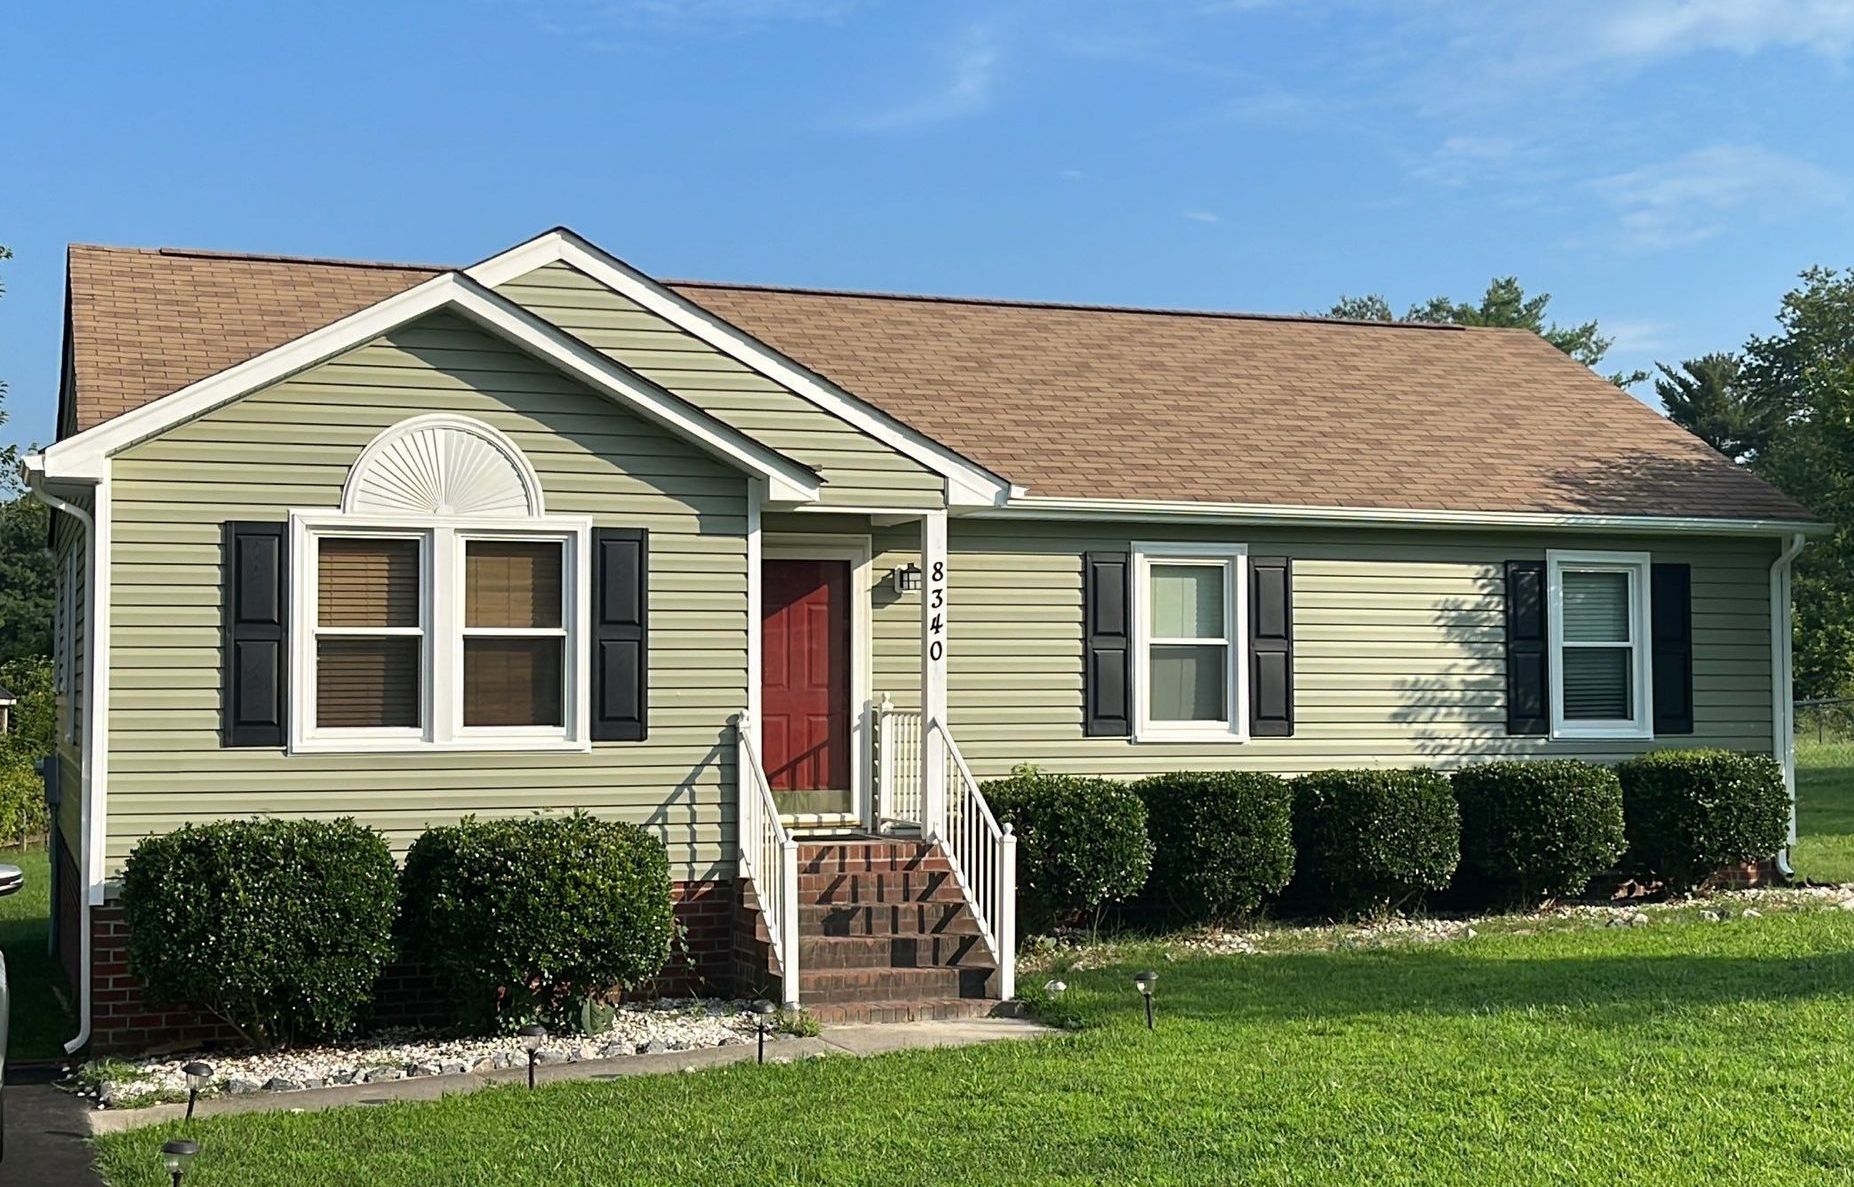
[1009, 832]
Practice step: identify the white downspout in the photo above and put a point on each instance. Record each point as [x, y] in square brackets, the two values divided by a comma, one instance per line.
[35, 476]
[1782, 678]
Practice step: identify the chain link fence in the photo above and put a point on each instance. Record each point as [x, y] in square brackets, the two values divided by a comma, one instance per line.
[1825, 723]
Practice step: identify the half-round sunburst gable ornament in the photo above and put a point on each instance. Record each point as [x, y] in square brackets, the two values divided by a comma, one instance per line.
[449, 466]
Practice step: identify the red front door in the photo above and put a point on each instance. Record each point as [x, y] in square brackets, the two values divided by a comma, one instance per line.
[805, 675]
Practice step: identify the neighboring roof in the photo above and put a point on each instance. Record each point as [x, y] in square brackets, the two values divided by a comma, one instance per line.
[1070, 401]
[6, 698]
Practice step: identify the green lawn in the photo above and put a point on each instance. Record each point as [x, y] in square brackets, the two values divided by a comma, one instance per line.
[1825, 811]
[40, 1024]
[1677, 1053]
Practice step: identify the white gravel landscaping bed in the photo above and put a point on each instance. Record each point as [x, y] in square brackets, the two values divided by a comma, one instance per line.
[682, 1024]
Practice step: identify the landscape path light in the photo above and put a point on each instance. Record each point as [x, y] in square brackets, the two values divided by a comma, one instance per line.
[1145, 982]
[1055, 988]
[531, 1039]
[175, 1156]
[762, 1013]
[199, 1075]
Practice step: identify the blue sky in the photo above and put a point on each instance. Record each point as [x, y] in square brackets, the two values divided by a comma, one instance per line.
[1665, 166]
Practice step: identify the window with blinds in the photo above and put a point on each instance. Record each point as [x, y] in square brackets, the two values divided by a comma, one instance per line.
[370, 633]
[1598, 650]
[1599, 631]
[514, 633]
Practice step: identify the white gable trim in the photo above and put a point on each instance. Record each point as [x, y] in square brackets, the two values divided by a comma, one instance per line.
[87, 454]
[968, 484]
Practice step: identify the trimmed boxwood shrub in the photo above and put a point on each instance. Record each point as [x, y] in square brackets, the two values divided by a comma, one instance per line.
[1532, 829]
[1222, 841]
[1690, 812]
[1370, 840]
[1081, 843]
[279, 927]
[525, 917]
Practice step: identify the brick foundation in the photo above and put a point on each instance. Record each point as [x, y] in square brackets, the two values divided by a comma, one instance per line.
[124, 1020]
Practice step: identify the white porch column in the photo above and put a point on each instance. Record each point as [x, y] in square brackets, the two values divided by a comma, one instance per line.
[933, 669]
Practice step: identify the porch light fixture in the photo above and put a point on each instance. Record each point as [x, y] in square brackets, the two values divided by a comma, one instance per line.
[198, 1076]
[531, 1039]
[175, 1156]
[762, 1013]
[1145, 982]
[908, 578]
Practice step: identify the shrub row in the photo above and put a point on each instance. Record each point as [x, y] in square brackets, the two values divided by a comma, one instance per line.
[1214, 846]
[282, 927]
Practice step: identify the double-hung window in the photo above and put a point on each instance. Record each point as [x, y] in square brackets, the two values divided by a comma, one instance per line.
[1189, 606]
[441, 636]
[1600, 634]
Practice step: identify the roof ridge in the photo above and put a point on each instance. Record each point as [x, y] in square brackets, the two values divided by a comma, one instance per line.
[1078, 306]
[258, 257]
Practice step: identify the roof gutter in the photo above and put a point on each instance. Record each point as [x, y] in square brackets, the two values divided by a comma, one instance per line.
[1261, 514]
[34, 467]
[1782, 679]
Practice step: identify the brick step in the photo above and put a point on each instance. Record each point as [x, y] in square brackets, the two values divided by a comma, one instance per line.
[927, 1010]
[893, 952]
[885, 888]
[854, 985]
[859, 857]
[891, 919]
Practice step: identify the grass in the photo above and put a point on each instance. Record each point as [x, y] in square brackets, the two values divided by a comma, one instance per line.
[40, 1024]
[1681, 1052]
[1825, 810]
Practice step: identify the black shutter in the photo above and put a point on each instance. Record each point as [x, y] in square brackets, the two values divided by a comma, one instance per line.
[255, 650]
[1528, 651]
[1107, 674]
[620, 634]
[1671, 613]
[1271, 647]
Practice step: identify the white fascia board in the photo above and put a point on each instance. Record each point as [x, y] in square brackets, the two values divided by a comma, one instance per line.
[967, 483]
[87, 454]
[1263, 515]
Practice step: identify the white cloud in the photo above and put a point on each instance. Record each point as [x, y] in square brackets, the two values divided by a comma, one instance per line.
[967, 89]
[1203, 216]
[1692, 197]
[1660, 28]
[1636, 336]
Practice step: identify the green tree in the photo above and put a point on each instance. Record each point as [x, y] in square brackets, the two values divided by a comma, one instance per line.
[1805, 374]
[1704, 397]
[27, 584]
[1504, 304]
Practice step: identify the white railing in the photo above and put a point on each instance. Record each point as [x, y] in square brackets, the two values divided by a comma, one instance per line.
[768, 860]
[898, 771]
[982, 853]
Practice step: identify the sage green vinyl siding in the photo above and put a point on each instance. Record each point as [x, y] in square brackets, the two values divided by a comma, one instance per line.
[1399, 654]
[857, 469]
[289, 447]
[69, 547]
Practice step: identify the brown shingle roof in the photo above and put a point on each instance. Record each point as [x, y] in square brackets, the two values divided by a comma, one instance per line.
[1070, 401]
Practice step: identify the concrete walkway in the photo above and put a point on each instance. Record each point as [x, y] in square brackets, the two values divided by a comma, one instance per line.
[861, 1040]
[47, 1134]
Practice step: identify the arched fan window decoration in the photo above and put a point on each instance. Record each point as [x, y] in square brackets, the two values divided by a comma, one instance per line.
[445, 466]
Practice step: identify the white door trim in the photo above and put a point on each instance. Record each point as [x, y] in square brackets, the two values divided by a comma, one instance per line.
[858, 550]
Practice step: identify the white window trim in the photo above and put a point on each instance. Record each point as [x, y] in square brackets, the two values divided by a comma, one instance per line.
[442, 617]
[1235, 559]
[1637, 567]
